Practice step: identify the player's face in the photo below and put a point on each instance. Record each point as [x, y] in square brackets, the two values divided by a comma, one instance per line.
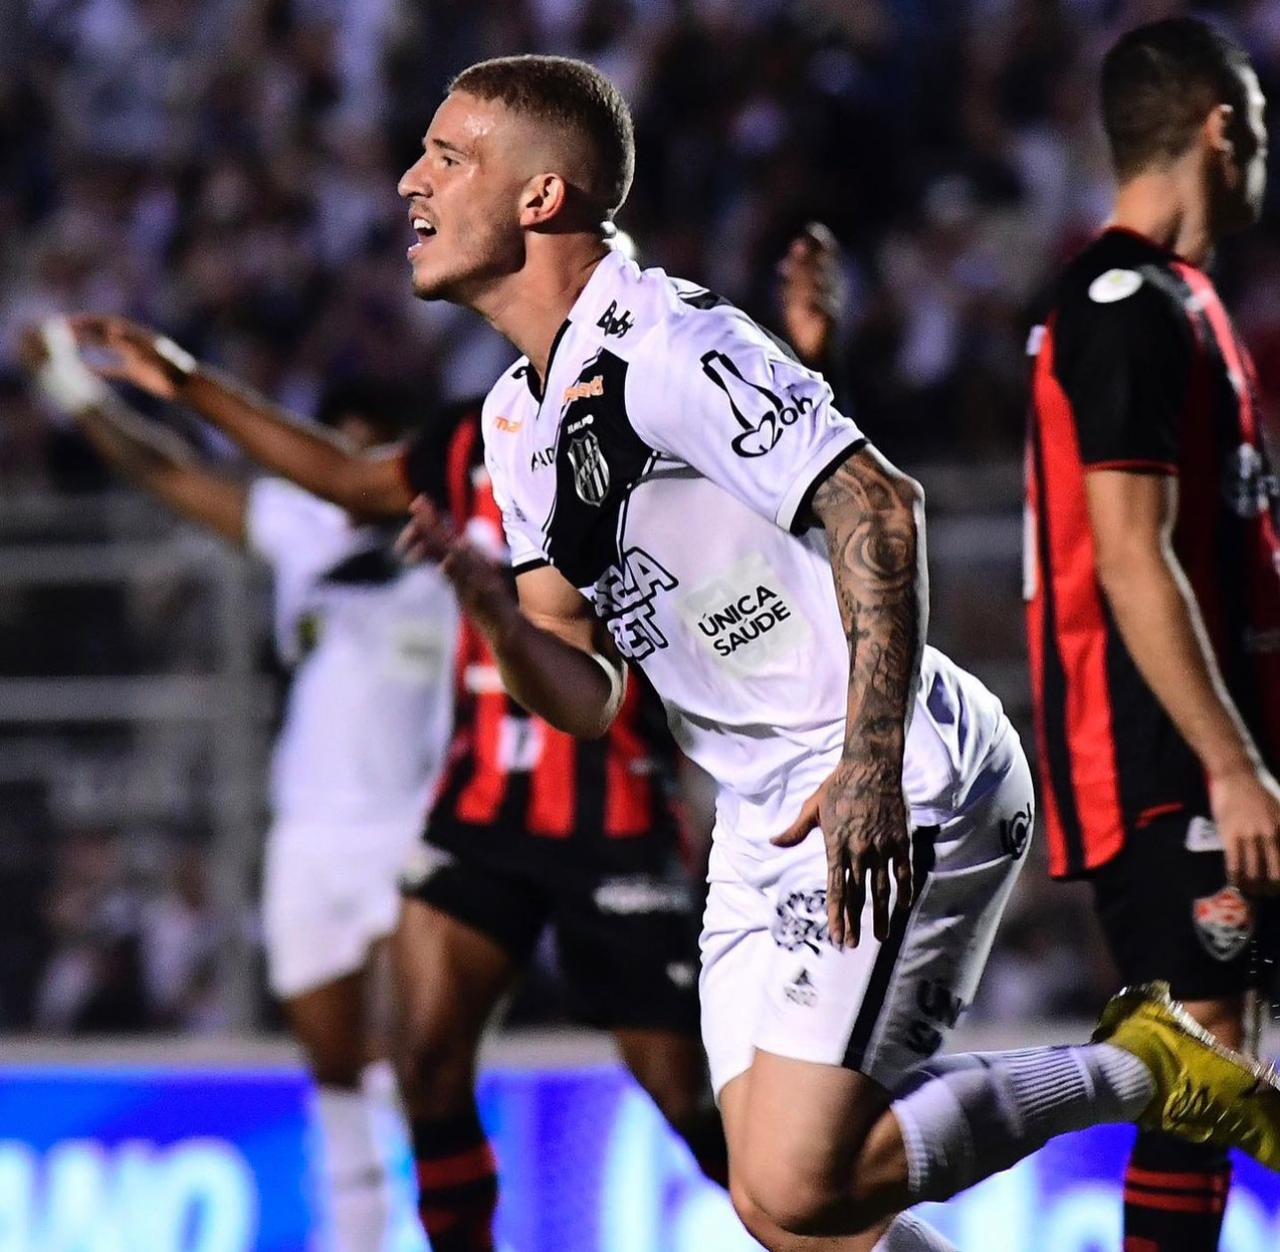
[463, 195]
[1247, 179]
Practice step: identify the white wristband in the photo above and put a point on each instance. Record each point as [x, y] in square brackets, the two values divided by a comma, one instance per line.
[179, 358]
[64, 379]
[617, 679]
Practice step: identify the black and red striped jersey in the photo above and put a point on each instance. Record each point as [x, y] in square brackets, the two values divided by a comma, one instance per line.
[509, 775]
[1139, 368]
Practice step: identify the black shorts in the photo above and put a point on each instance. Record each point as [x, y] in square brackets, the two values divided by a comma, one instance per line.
[1169, 913]
[626, 931]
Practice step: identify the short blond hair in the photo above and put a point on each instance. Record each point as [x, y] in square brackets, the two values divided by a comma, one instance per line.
[572, 94]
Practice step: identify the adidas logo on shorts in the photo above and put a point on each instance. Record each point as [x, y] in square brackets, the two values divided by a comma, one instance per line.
[800, 990]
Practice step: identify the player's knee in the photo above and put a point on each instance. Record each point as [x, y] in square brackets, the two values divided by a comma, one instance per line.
[435, 1070]
[794, 1201]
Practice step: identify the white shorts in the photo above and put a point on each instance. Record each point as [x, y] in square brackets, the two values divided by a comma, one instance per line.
[772, 980]
[329, 892]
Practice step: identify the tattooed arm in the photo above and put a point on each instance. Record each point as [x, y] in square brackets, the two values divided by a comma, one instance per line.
[874, 519]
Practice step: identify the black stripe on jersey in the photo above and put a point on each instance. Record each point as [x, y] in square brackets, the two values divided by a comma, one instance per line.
[598, 460]
[375, 567]
[534, 562]
[878, 985]
[1054, 682]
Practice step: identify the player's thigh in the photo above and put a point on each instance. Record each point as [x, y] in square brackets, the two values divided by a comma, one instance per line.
[465, 933]
[1169, 913]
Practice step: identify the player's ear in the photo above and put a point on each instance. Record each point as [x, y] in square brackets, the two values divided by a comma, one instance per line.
[542, 199]
[1219, 129]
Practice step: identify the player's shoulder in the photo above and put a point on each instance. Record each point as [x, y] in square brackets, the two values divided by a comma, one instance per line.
[650, 316]
[278, 497]
[508, 397]
[1116, 278]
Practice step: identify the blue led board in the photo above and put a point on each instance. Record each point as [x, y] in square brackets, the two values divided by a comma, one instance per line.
[135, 1160]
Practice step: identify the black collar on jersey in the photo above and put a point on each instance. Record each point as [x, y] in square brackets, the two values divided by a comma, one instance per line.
[537, 387]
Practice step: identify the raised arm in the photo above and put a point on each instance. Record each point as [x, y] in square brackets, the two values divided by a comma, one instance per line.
[318, 460]
[1132, 517]
[147, 455]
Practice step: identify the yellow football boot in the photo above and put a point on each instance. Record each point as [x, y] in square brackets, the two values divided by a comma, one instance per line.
[1205, 1091]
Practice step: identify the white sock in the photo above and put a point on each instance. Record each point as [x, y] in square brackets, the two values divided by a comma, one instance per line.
[967, 1117]
[909, 1234]
[356, 1185]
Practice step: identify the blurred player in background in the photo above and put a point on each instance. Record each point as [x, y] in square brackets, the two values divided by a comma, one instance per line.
[677, 490]
[531, 827]
[370, 645]
[1154, 601]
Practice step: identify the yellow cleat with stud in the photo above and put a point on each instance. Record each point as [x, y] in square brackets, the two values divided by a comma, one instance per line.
[1205, 1091]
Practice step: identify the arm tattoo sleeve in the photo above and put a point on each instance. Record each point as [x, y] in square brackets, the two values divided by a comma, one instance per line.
[874, 519]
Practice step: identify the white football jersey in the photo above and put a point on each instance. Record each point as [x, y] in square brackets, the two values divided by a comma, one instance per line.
[666, 471]
[371, 645]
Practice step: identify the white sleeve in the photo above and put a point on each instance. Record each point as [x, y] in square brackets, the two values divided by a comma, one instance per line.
[746, 415]
[285, 526]
[525, 540]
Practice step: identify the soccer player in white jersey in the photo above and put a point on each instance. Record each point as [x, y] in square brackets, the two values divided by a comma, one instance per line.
[678, 491]
[371, 647]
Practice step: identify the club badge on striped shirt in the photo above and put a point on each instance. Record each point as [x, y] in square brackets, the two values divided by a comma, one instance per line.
[590, 469]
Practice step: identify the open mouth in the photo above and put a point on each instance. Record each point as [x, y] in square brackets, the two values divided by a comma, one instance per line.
[424, 231]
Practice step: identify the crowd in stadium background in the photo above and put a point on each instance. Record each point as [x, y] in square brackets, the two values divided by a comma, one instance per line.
[227, 172]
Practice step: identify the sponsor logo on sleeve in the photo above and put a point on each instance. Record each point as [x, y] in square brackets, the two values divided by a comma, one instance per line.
[1224, 923]
[762, 414]
[744, 618]
[1114, 285]
[507, 426]
[1015, 832]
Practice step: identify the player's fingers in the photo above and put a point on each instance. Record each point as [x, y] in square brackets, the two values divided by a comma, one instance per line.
[837, 886]
[856, 899]
[800, 829]
[1251, 863]
[905, 881]
[1271, 860]
[880, 899]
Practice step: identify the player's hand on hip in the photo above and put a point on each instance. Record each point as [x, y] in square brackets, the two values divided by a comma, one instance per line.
[863, 819]
[122, 350]
[1246, 809]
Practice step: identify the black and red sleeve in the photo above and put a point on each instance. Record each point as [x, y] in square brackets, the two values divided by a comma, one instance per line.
[438, 459]
[1125, 365]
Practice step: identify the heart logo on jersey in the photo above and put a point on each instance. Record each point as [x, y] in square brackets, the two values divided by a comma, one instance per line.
[590, 469]
[1224, 923]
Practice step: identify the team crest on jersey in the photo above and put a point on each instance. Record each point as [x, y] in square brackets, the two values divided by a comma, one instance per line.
[1224, 923]
[590, 469]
